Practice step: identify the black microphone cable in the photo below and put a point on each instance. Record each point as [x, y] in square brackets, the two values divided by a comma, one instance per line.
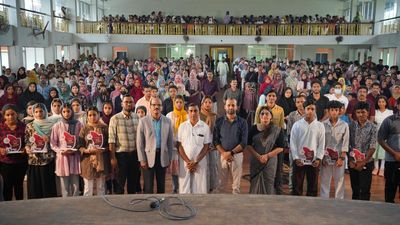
[163, 205]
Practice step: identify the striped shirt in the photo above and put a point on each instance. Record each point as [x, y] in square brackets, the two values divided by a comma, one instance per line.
[122, 131]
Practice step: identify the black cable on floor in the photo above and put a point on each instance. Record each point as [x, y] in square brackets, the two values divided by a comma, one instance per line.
[163, 205]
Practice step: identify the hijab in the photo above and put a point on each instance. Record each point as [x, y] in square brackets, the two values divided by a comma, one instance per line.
[210, 116]
[288, 104]
[42, 126]
[71, 121]
[180, 117]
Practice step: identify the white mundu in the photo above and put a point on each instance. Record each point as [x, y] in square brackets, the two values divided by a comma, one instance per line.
[193, 139]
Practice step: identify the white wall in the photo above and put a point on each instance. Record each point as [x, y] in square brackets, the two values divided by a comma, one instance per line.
[134, 50]
[218, 8]
[309, 51]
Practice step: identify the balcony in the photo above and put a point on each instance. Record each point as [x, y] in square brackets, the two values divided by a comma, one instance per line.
[390, 26]
[61, 24]
[32, 19]
[313, 29]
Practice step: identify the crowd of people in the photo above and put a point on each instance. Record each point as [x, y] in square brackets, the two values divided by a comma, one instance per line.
[71, 125]
[159, 17]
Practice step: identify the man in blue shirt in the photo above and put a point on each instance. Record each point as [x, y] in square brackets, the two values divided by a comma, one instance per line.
[388, 138]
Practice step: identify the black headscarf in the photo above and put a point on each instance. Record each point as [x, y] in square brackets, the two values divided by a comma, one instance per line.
[28, 96]
[287, 104]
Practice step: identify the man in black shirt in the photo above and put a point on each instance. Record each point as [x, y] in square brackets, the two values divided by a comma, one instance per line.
[320, 100]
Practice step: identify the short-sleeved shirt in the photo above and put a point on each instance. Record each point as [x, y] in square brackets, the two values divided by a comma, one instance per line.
[352, 105]
[320, 105]
[193, 138]
[122, 131]
[390, 132]
[362, 138]
[230, 134]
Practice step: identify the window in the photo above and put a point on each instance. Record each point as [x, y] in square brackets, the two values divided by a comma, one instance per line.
[366, 10]
[177, 51]
[390, 9]
[321, 57]
[4, 57]
[34, 5]
[84, 10]
[347, 10]
[270, 51]
[32, 56]
[389, 56]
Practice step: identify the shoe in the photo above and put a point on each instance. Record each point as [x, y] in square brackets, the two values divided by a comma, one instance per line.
[381, 173]
[375, 171]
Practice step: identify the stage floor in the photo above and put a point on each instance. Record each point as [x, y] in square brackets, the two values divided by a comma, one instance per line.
[211, 209]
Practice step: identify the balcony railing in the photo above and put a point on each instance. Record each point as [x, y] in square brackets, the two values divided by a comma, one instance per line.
[32, 19]
[4, 15]
[61, 24]
[390, 26]
[312, 29]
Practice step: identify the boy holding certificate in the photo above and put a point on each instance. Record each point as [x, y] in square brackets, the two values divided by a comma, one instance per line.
[336, 148]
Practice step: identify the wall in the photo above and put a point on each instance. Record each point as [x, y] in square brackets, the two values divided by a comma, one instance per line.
[134, 50]
[218, 8]
[309, 51]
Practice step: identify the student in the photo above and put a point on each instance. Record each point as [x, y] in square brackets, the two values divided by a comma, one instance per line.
[41, 166]
[64, 141]
[307, 134]
[95, 157]
[381, 113]
[12, 166]
[362, 138]
[177, 117]
[336, 148]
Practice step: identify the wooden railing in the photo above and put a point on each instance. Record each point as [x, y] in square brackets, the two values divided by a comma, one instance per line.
[312, 29]
[61, 24]
[32, 19]
[390, 26]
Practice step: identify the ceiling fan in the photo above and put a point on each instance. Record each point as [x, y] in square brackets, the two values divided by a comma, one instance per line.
[37, 31]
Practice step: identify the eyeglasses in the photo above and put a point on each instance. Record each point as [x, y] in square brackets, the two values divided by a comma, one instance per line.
[156, 105]
[264, 113]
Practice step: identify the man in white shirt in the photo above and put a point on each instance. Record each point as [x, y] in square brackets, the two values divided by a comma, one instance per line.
[338, 95]
[307, 142]
[193, 140]
[145, 100]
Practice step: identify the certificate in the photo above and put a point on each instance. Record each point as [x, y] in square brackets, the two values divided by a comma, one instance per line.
[96, 139]
[307, 156]
[70, 140]
[39, 145]
[357, 155]
[13, 144]
[331, 155]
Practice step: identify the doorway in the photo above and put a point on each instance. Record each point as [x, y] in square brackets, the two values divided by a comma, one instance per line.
[217, 53]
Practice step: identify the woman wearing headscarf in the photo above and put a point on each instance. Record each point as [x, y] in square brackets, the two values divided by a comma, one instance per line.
[286, 101]
[79, 114]
[64, 141]
[30, 94]
[13, 159]
[56, 107]
[95, 157]
[136, 91]
[177, 116]
[9, 97]
[209, 117]
[265, 142]
[278, 83]
[64, 92]
[53, 94]
[193, 87]
[41, 165]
